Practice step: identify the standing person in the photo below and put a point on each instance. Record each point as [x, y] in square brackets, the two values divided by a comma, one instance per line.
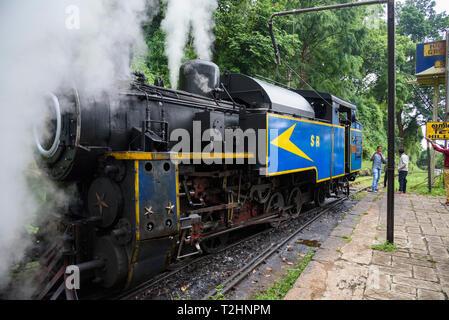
[403, 171]
[445, 152]
[377, 158]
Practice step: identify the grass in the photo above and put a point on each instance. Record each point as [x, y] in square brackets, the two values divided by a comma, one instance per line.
[182, 296]
[359, 196]
[416, 180]
[347, 238]
[280, 288]
[219, 295]
[386, 246]
[418, 183]
[363, 182]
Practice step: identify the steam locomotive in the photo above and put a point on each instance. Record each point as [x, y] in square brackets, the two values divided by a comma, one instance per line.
[251, 152]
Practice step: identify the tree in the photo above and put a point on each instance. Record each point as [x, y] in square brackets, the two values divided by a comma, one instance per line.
[419, 21]
[243, 42]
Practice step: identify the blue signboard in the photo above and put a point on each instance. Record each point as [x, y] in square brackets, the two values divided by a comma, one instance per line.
[429, 55]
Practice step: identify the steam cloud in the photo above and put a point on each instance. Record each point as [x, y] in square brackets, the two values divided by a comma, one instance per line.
[44, 44]
[181, 17]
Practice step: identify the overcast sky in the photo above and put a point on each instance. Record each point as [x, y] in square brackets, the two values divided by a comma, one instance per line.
[442, 5]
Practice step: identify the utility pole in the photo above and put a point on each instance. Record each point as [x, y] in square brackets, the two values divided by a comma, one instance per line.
[447, 82]
[391, 118]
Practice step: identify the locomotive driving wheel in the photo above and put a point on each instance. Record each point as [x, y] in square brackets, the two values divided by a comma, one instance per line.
[295, 200]
[261, 193]
[319, 197]
[275, 206]
[215, 244]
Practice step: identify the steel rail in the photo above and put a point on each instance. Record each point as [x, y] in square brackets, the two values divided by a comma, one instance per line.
[148, 284]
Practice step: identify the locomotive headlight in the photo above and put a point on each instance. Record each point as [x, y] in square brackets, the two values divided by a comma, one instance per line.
[47, 134]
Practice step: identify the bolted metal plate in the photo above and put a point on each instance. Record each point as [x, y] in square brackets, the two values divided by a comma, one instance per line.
[157, 199]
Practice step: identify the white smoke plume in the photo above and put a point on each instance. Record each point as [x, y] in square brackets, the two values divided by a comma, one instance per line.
[43, 44]
[181, 17]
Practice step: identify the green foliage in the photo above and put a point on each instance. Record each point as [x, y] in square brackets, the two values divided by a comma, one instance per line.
[419, 21]
[243, 43]
[422, 160]
[30, 229]
[219, 295]
[156, 63]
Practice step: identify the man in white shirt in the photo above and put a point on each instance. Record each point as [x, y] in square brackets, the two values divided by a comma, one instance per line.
[403, 171]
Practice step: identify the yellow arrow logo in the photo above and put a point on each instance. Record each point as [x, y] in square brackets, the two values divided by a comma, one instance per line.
[283, 142]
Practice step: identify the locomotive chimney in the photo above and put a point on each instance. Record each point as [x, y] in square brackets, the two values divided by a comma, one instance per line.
[199, 77]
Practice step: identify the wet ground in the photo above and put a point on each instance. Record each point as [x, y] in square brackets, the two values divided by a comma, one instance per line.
[196, 280]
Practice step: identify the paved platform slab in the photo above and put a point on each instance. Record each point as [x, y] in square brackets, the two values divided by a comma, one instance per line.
[347, 268]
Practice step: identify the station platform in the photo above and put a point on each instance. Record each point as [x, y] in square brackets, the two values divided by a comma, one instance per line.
[346, 267]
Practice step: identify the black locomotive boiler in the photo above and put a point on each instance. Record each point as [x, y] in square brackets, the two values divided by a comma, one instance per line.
[143, 204]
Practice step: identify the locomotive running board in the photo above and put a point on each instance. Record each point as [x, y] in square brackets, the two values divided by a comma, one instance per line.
[132, 155]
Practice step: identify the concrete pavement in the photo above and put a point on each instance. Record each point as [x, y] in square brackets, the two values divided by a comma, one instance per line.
[346, 267]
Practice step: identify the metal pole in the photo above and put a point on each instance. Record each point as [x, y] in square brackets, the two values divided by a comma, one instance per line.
[436, 100]
[447, 82]
[305, 10]
[391, 118]
[429, 177]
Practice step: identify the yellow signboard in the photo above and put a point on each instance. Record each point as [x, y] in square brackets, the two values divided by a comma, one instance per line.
[437, 130]
[435, 49]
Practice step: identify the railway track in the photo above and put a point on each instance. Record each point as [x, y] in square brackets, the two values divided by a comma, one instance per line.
[240, 274]
[244, 271]
[146, 285]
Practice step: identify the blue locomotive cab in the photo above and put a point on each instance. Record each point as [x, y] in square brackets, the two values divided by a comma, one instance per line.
[348, 132]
